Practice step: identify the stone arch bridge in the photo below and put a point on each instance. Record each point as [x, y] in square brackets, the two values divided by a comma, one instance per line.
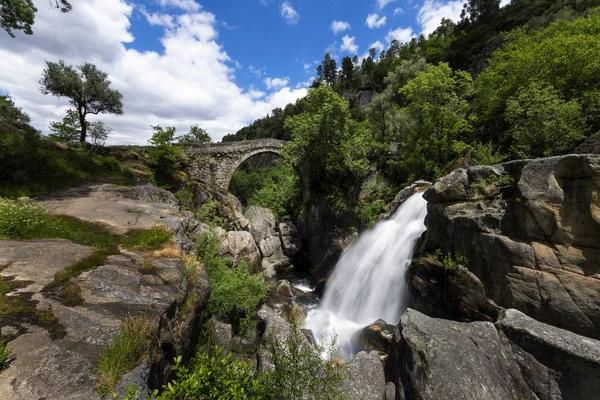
[215, 163]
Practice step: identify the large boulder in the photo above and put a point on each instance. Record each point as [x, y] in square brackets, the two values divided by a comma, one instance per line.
[518, 357]
[263, 229]
[262, 223]
[290, 239]
[529, 231]
[239, 246]
[366, 378]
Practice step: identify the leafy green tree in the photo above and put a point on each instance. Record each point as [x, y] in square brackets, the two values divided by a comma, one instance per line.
[436, 110]
[347, 74]
[327, 144]
[482, 11]
[542, 124]
[68, 129]
[87, 88]
[99, 132]
[564, 57]
[196, 135]
[167, 158]
[20, 14]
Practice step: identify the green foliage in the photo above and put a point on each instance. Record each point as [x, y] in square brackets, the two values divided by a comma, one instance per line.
[487, 154]
[274, 187]
[12, 113]
[123, 353]
[450, 261]
[196, 135]
[154, 238]
[542, 124]
[327, 144]
[86, 87]
[67, 130]
[209, 213]
[370, 213]
[235, 291]
[212, 377]
[437, 122]
[99, 132]
[20, 219]
[301, 372]
[5, 352]
[167, 157]
[558, 62]
[17, 15]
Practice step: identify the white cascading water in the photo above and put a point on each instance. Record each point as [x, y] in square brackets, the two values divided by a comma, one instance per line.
[368, 283]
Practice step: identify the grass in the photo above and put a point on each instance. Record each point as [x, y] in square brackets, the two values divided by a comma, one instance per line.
[192, 268]
[124, 353]
[148, 267]
[5, 352]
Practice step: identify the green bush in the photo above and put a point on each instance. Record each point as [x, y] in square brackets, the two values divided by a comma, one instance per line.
[370, 213]
[209, 213]
[123, 353]
[212, 377]
[20, 219]
[449, 260]
[167, 159]
[235, 291]
[487, 154]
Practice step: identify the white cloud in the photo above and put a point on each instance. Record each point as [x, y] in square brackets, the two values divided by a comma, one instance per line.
[339, 26]
[258, 72]
[348, 45]
[398, 11]
[431, 13]
[374, 21]
[276, 83]
[306, 84]
[158, 19]
[504, 3]
[401, 35]
[190, 81]
[186, 5]
[289, 14]
[377, 46]
[383, 3]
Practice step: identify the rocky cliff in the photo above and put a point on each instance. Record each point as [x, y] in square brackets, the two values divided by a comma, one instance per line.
[530, 235]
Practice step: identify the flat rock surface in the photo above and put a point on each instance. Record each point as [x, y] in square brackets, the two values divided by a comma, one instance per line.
[121, 208]
[38, 260]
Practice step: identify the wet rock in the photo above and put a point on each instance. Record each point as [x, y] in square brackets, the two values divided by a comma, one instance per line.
[366, 379]
[375, 337]
[404, 195]
[284, 289]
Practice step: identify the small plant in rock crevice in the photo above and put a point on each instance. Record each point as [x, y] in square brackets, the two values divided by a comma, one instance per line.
[450, 261]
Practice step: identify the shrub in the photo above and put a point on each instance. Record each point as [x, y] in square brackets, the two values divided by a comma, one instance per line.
[235, 290]
[487, 154]
[126, 351]
[370, 213]
[20, 219]
[449, 260]
[209, 213]
[212, 377]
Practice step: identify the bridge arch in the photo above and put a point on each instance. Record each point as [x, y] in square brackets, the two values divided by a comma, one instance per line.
[215, 163]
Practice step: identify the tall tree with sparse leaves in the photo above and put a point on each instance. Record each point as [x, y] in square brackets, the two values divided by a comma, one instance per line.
[87, 88]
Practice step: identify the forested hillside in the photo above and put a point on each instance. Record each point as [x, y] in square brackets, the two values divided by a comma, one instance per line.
[503, 83]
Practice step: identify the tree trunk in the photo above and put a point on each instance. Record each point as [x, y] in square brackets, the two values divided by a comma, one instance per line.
[83, 127]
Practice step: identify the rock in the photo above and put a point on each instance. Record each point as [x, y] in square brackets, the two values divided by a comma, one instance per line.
[529, 231]
[518, 357]
[403, 195]
[8, 331]
[240, 246]
[290, 239]
[137, 377]
[375, 337]
[440, 359]
[390, 391]
[221, 333]
[575, 359]
[366, 379]
[320, 287]
[151, 194]
[262, 223]
[284, 289]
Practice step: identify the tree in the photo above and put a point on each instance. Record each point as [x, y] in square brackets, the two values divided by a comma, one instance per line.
[20, 14]
[87, 87]
[196, 135]
[327, 70]
[347, 71]
[480, 10]
[327, 144]
[67, 130]
[542, 124]
[99, 132]
[167, 158]
[12, 113]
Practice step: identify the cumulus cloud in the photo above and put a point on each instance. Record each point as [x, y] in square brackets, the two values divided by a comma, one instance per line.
[381, 4]
[339, 26]
[398, 11]
[431, 13]
[377, 46]
[348, 45]
[400, 34]
[190, 81]
[289, 14]
[375, 21]
[276, 83]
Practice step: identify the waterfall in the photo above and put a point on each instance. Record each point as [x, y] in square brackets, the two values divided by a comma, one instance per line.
[368, 281]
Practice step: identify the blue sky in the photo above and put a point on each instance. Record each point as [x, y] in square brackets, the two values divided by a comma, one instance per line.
[216, 63]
